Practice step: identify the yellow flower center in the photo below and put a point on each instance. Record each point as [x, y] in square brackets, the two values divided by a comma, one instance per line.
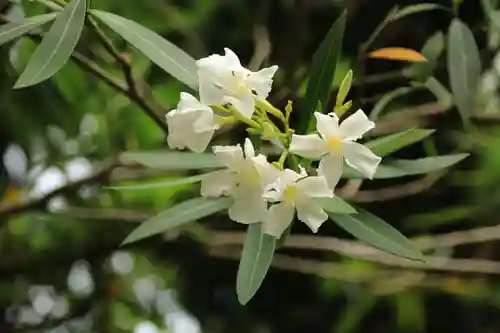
[290, 194]
[334, 143]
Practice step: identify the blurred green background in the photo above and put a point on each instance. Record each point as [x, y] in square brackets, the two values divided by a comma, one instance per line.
[61, 268]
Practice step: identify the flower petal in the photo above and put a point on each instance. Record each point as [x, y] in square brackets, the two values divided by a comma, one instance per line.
[361, 158]
[180, 125]
[278, 218]
[198, 142]
[244, 103]
[248, 206]
[249, 150]
[268, 172]
[308, 146]
[174, 139]
[288, 177]
[218, 183]
[261, 81]
[206, 121]
[311, 214]
[231, 58]
[210, 91]
[353, 127]
[315, 187]
[187, 101]
[230, 156]
[327, 125]
[331, 167]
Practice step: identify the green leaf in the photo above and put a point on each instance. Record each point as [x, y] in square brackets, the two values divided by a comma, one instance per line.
[388, 98]
[256, 258]
[322, 71]
[178, 215]
[391, 143]
[163, 53]
[335, 205]
[464, 67]
[378, 233]
[442, 94]
[168, 183]
[432, 50]
[495, 18]
[170, 160]
[13, 30]
[56, 46]
[413, 9]
[402, 168]
[344, 89]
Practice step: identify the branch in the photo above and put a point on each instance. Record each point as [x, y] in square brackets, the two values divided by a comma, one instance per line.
[128, 88]
[148, 105]
[335, 270]
[40, 203]
[397, 191]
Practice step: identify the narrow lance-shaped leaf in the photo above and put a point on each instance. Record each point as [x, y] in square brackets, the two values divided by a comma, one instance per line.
[256, 258]
[397, 53]
[442, 94]
[394, 142]
[171, 160]
[166, 55]
[402, 168]
[335, 205]
[376, 232]
[464, 67]
[178, 215]
[56, 47]
[168, 183]
[322, 72]
[432, 50]
[345, 86]
[389, 97]
[418, 8]
[13, 30]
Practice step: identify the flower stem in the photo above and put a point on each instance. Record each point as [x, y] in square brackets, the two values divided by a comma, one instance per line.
[268, 107]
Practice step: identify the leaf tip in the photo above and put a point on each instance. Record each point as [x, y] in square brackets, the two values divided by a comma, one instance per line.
[243, 300]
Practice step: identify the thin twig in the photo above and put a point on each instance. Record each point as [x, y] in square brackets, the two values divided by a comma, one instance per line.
[327, 269]
[40, 203]
[148, 105]
[397, 191]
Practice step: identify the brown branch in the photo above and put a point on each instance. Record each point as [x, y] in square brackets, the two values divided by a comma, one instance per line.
[39, 204]
[149, 106]
[128, 88]
[397, 191]
[331, 270]
[359, 250]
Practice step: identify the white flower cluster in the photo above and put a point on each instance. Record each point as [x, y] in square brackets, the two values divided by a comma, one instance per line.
[262, 191]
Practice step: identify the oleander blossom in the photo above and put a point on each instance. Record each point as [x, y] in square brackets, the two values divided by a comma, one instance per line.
[292, 192]
[335, 143]
[244, 179]
[191, 125]
[223, 80]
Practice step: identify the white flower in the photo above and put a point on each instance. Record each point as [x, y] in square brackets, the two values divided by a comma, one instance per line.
[334, 143]
[244, 180]
[295, 191]
[222, 80]
[191, 125]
